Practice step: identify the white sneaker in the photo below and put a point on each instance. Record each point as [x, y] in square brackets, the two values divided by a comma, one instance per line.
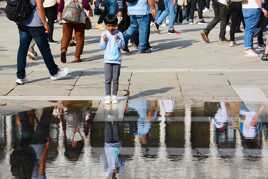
[60, 75]
[232, 44]
[107, 99]
[251, 53]
[114, 99]
[21, 81]
[205, 10]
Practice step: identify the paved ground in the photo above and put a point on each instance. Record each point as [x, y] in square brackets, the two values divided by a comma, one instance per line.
[181, 67]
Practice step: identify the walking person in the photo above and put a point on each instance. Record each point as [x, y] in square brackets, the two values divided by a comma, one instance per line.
[51, 14]
[221, 15]
[170, 8]
[112, 41]
[139, 13]
[200, 4]
[251, 12]
[236, 16]
[36, 27]
[78, 28]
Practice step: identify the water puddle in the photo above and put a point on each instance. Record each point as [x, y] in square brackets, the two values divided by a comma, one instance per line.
[136, 139]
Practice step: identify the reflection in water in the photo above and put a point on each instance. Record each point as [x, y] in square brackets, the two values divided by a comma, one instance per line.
[3, 138]
[90, 140]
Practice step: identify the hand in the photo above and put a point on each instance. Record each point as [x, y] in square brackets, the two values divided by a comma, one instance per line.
[174, 2]
[90, 12]
[153, 11]
[119, 15]
[46, 26]
[265, 12]
[105, 39]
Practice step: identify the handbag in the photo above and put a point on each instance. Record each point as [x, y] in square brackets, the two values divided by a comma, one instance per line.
[72, 12]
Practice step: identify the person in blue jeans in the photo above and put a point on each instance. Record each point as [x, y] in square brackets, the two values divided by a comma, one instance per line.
[36, 27]
[170, 8]
[139, 19]
[251, 13]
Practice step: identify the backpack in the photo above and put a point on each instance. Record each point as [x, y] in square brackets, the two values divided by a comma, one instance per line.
[22, 162]
[19, 10]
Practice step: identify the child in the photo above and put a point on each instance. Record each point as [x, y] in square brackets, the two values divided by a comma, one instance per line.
[112, 41]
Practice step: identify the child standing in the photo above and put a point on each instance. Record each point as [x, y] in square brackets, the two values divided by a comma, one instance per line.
[112, 41]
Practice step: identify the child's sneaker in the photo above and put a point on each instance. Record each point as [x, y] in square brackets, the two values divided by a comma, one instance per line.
[114, 99]
[107, 99]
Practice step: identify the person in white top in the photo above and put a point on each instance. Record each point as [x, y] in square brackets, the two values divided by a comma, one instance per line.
[251, 12]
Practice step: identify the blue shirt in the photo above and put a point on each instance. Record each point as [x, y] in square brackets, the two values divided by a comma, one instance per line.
[140, 8]
[112, 53]
[34, 20]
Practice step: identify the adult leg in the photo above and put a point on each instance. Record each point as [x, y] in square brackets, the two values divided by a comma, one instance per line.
[171, 15]
[261, 26]
[143, 32]
[41, 40]
[235, 9]
[201, 5]
[51, 14]
[251, 17]
[192, 4]
[116, 74]
[216, 18]
[108, 71]
[80, 39]
[131, 29]
[224, 10]
[67, 33]
[164, 14]
[25, 40]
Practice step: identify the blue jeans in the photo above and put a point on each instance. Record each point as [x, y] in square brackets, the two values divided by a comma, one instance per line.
[40, 37]
[138, 23]
[170, 12]
[111, 7]
[251, 17]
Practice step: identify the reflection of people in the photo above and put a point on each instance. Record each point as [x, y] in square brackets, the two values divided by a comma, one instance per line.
[248, 127]
[114, 162]
[33, 144]
[147, 113]
[2, 138]
[73, 138]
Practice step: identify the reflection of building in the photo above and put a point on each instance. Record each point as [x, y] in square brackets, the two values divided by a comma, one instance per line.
[2, 137]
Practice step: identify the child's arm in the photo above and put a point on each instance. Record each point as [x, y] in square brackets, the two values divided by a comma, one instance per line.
[120, 40]
[103, 41]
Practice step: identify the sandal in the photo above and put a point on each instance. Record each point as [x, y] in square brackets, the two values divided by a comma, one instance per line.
[264, 57]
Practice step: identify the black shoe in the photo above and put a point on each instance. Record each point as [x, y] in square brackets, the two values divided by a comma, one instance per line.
[171, 31]
[63, 57]
[264, 57]
[126, 50]
[53, 41]
[156, 26]
[224, 40]
[72, 43]
[146, 51]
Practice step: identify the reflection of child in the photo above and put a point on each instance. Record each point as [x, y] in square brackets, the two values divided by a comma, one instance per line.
[112, 41]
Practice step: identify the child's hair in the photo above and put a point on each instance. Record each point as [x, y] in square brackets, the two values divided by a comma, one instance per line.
[112, 20]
